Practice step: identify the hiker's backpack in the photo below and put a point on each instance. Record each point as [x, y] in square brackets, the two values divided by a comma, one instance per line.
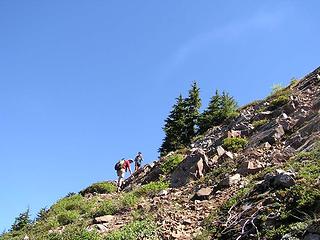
[118, 165]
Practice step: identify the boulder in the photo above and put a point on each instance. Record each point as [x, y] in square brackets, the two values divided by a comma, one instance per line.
[202, 194]
[101, 228]
[262, 115]
[193, 166]
[163, 193]
[249, 167]
[266, 145]
[227, 155]
[271, 136]
[233, 134]
[283, 180]
[311, 236]
[280, 180]
[220, 151]
[230, 181]
[289, 237]
[104, 219]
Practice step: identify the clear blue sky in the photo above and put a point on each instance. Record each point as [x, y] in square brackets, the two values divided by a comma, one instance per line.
[84, 83]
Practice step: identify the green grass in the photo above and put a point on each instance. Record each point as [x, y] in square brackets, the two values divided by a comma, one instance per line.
[259, 123]
[278, 102]
[106, 207]
[152, 188]
[138, 229]
[100, 187]
[171, 163]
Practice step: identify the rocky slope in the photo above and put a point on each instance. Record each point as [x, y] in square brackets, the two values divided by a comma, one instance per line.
[261, 180]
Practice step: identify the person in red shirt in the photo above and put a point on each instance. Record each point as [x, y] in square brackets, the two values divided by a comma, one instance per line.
[125, 166]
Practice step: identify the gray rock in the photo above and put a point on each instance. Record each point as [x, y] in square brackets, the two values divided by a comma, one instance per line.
[163, 193]
[187, 169]
[289, 237]
[220, 151]
[101, 228]
[249, 167]
[230, 181]
[312, 236]
[202, 194]
[104, 219]
[262, 115]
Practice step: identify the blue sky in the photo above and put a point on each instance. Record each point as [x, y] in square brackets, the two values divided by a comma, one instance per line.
[85, 83]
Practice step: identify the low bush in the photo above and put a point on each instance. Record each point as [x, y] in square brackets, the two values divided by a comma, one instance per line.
[106, 207]
[171, 163]
[144, 229]
[68, 217]
[129, 200]
[75, 202]
[234, 144]
[152, 188]
[74, 233]
[100, 187]
[278, 102]
[259, 123]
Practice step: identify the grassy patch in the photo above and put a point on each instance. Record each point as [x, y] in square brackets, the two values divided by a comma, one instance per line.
[144, 229]
[74, 233]
[67, 217]
[259, 123]
[278, 102]
[171, 163]
[106, 207]
[152, 188]
[100, 188]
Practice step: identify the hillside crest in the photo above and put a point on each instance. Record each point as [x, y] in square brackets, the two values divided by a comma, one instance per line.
[254, 177]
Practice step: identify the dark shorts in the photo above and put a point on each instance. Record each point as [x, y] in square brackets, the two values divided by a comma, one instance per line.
[138, 164]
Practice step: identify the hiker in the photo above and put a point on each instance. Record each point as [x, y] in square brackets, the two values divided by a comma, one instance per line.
[122, 167]
[137, 161]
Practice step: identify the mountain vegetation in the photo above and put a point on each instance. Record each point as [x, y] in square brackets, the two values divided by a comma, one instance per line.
[227, 173]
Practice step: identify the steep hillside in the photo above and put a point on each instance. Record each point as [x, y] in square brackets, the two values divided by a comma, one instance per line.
[254, 177]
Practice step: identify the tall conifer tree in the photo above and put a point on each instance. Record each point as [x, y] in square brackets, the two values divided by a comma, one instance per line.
[220, 108]
[211, 116]
[174, 127]
[21, 221]
[192, 106]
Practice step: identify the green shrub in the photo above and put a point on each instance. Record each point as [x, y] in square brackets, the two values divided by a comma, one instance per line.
[74, 233]
[259, 123]
[234, 144]
[129, 200]
[107, 207]
[152, 188]
[306, 193]
[144, 229]
[68, 217]
[22, 221]
[276, 88]
[100, 187]
[294, 82]
[171, 163]
[75, 202]
[278, 102]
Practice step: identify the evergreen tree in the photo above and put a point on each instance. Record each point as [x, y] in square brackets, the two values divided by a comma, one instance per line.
[210, 116]
[220, 108]
[228, 106]
[22, 221]
[42, 214]
[192, 105]
[174, 127]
